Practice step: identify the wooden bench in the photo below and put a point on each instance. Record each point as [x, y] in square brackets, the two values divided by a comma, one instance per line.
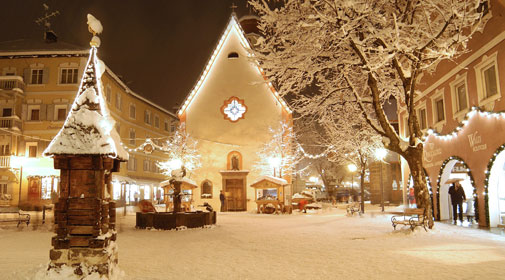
[16, 216]
[412, 217]
[353, 208]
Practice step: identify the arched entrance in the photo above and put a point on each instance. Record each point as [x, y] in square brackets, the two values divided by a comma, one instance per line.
[495, 188]
[455, 168]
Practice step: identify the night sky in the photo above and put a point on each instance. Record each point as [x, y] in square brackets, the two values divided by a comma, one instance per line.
[159, 47]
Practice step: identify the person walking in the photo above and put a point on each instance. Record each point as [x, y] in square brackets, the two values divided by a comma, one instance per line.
[457, 197]
[222, 198]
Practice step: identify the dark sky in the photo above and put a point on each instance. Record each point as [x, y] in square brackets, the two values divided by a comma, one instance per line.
[159, 47]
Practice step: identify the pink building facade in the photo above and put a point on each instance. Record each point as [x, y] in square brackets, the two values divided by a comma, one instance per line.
[460, 109]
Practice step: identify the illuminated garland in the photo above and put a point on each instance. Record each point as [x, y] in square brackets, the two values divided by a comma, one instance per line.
[300, 148]
[486, 180]
[468, 115]
[475, 198]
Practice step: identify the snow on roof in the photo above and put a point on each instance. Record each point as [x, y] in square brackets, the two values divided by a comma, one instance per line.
[272, 179]
[88, 129]
[29, 47]
[233, 24]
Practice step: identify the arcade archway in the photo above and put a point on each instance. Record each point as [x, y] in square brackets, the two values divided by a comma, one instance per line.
[495, 188]
[455, 168]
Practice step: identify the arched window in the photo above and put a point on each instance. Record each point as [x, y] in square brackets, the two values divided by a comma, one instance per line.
[233, 55]
[206, 189]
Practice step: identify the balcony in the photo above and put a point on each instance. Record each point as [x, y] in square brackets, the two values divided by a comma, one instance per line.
[5, 161]
[12, 83]
[12, 123]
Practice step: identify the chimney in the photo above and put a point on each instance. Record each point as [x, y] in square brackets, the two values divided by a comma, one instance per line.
[50, 37]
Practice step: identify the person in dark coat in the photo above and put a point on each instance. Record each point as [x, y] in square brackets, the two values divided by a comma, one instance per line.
[457, 197]
[221, 197]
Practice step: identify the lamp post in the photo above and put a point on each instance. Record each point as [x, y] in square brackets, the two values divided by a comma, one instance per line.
[380, 154]
[16, 163]
[352, 168]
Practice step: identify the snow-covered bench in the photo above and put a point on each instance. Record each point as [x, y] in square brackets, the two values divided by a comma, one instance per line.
[412, 217]
[353, 208]
[13, 214]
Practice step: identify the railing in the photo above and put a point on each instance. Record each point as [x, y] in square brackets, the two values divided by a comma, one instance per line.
[12, 82]
[5, 161]
[12, 122]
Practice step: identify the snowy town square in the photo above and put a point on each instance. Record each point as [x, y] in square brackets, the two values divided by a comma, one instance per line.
[252, 139]
[326, 244]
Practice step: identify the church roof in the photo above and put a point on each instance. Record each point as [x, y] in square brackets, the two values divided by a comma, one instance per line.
[233, 24]
[30, 47]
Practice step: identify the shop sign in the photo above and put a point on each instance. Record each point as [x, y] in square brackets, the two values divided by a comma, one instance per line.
[475, 140]
[430, 152]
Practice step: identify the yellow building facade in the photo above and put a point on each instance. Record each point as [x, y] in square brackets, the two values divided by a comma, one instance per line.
[38, 85]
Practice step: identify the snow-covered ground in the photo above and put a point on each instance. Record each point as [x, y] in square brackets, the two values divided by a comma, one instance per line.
[322, 245]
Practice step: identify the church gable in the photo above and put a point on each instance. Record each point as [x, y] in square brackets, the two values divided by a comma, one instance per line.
[231, 86]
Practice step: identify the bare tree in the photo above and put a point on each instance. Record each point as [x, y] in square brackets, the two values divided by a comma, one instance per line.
[363, 52]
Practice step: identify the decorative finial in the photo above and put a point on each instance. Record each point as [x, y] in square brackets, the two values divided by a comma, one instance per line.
[95, 27]
[233, 7]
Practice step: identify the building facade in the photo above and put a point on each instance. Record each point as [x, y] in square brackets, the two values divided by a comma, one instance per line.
[460, 109]
[38, 83]
[229, 112]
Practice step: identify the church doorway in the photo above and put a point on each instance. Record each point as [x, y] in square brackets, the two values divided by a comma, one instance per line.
[234, 187]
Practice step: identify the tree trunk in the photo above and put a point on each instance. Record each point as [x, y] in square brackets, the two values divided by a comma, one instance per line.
[362, 186]
[414, 158]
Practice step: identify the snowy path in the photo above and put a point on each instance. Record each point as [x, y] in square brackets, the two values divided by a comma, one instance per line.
[326, 245]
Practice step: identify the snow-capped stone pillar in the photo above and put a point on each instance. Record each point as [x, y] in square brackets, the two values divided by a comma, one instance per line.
[86, 151]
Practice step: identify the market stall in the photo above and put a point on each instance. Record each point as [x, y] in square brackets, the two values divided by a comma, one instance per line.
[187, 188]
[270, 195]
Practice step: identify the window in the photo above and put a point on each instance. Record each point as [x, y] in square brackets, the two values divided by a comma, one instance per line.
[132, 164]
[147, 165]
[156, 121]
[34, 113]
[461, 103]
[147, 116]
[5, 150]
[491, 88]
[166, 125]
[233, 55]
[118, 101]
[49, 185]
[31, 149]
[488, 80]
[172, 128]
[68, 76]
[3, 188]
[7, 112]
[37, 76]
[133, 113]
[206, 189]
[108, 94]
[132, 137]
[422, 118]
[62, 114]
[439, 109]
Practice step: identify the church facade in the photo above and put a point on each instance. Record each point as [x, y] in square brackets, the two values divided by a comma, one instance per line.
[230, 112]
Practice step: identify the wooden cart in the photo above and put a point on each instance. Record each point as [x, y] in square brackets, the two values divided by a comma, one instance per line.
[270, 192]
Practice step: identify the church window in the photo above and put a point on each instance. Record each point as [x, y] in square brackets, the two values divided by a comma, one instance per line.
[234, 109]
[206, 189]
[232, 55]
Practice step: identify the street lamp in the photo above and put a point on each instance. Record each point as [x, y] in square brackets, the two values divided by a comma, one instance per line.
[380, 154]
[352, 167]
[17, 163]
[275, 162]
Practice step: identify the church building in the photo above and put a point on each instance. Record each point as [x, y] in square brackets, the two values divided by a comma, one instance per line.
[230, 112]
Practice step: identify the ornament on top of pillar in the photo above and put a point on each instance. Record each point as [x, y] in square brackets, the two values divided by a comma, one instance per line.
[87, 150]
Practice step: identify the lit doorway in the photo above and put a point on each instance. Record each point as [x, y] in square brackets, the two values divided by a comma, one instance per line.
[496, 191]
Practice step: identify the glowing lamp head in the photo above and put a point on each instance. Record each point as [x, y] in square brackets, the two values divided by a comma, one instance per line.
[175, 164]
[313, 179]
[352, 167]
[380, 153]
[16, 162]
[274, 161]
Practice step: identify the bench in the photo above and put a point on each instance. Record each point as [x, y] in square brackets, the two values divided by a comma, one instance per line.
[353, 208]
[412, 217]
[16, 216]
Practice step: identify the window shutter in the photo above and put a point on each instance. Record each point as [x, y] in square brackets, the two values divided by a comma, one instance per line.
[43, 112]
[50, 112]
[27, 76]
[24, 112]
[45, 76]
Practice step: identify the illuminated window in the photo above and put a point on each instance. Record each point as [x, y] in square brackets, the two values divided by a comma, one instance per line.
[234, 109]
[206, 189]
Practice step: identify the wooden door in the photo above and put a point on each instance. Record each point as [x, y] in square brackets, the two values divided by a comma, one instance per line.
[236, 199]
